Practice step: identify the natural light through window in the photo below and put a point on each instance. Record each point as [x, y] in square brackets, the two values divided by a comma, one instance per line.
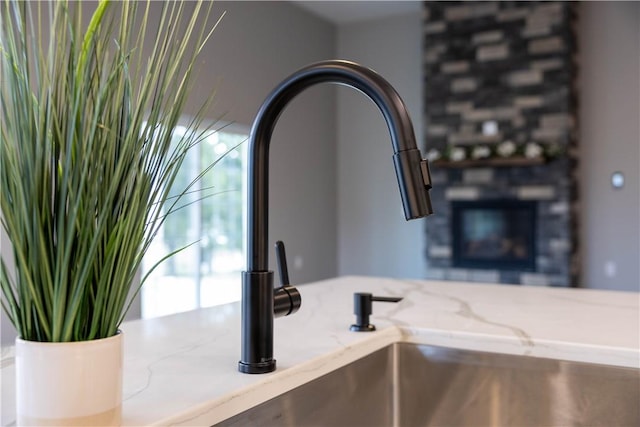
[209, 223]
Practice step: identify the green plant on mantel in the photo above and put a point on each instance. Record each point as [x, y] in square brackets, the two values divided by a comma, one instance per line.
[88, 154]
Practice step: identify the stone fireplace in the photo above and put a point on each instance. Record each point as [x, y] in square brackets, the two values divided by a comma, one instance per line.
[496, 72]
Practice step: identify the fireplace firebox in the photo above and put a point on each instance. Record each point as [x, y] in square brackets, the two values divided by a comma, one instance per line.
[494, 234]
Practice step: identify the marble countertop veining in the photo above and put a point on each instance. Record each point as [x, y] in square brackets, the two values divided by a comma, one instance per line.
[182, 369]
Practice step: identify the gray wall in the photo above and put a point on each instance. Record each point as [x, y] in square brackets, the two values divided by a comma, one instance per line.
[373, 236]
[257, 45]
[609, 44]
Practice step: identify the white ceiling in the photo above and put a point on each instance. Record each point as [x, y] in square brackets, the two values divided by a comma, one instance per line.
[346, 12]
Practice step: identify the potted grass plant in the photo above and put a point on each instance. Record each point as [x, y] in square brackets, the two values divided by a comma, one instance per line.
[87, 161]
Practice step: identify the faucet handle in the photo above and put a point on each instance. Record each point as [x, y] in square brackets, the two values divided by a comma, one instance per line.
[286, 298]
[281, 258]
[362, 308]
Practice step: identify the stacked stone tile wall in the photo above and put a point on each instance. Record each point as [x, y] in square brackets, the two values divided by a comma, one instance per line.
[510, 64]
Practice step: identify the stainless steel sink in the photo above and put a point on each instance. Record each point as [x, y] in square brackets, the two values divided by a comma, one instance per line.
[417, 385]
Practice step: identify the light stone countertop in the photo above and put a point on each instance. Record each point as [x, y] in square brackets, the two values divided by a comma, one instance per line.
[182, 369]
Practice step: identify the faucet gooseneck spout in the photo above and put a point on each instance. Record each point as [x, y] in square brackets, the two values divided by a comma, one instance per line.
[258, 294]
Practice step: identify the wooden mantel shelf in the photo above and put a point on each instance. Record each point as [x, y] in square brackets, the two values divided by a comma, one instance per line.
[493, 162]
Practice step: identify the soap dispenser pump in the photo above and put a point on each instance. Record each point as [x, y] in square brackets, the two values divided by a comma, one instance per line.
[362, 308]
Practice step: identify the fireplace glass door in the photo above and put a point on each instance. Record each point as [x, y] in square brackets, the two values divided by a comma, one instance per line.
[494, 234]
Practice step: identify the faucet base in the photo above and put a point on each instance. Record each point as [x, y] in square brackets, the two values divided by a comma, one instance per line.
[256, 356]
[257, 368]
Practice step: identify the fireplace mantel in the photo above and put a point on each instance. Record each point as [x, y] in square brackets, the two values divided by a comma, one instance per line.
[494, 162]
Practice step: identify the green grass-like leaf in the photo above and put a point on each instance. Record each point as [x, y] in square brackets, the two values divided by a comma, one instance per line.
[86, 158]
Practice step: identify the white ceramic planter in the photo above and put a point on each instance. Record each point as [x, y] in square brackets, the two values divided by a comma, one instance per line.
[69, 384]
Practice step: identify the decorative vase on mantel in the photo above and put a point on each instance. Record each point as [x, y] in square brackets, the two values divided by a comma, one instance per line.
[69, 384]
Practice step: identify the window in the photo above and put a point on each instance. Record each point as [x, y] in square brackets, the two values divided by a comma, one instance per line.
[209, 224]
